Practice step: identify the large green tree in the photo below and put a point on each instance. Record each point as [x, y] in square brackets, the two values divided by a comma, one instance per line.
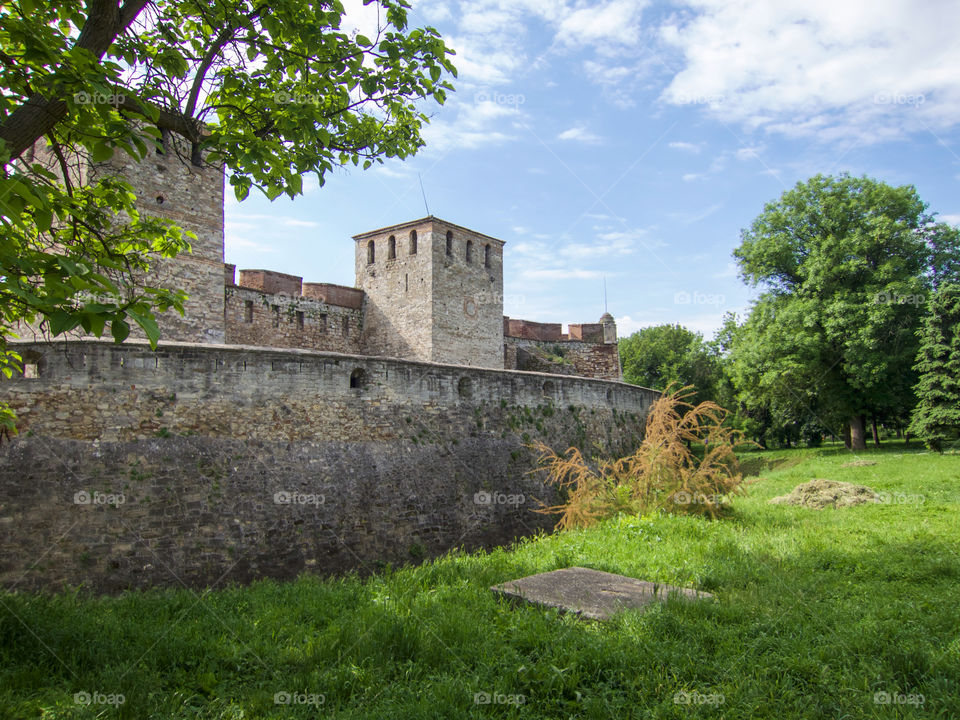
[936, 419]
[269, 90]
[661, 355]
[845, 265]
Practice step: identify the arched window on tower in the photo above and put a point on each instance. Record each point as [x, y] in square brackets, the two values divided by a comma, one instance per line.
[413, 242]
[469, 251]
[392, 248]
[486, 256]
[370, 253]
[449, 242]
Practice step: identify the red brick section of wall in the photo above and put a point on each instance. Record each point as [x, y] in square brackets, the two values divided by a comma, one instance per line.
[547, 332]
[341, 295]
[269, 281]
[588, 332]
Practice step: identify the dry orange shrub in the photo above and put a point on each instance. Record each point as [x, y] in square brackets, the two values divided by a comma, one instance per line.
[664, 473]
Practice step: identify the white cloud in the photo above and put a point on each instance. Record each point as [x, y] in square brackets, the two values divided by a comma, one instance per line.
[580, 134]
[254, 221]
[617, 21]
[730, 271]
[396, 171]
[686, 146]
[818, 67]
[707, 324]
[688, 218]
[951, 219]
[477, 124]
[563, 274]
[233, 243]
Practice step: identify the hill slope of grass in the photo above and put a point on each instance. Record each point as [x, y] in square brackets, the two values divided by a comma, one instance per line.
[847, 613]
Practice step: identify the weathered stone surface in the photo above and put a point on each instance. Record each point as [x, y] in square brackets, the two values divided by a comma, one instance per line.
[280, 320]
[433, 291]
[170, 186]
[411, 459]
[591, 593]
[586, 359]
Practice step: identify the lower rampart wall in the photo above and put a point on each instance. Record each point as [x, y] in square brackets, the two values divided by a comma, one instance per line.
[203, 464]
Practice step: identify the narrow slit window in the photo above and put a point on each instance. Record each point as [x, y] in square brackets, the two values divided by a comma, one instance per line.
[469, 253]
[413, 242]
[486, 256]
[392, 248]
[300, 319]
[323, 322]
[248, 311]
[371, 253]
[449, 242]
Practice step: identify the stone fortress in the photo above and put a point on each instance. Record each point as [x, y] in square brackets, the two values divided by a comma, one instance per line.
[284, 426]
[425, 290]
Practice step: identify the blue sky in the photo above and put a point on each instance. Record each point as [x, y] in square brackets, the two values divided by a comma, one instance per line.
[632, 141]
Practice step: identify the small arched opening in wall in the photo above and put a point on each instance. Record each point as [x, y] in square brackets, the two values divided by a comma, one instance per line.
[358, 379]
[610, 397]
[392, 248]
[449, 242]
[486, 256]
[465, 388]
[549, 389]
[469, 254]
[413, 242]
[371, 253]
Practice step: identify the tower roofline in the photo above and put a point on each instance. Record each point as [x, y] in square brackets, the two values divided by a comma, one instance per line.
[428, 218]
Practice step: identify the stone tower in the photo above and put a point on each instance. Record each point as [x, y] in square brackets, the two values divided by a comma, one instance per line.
[168, 184]
[433, 291]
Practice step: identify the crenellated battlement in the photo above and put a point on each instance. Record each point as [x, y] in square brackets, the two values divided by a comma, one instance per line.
[586, 349]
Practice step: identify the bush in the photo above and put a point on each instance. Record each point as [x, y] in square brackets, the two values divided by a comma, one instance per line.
[664, 473]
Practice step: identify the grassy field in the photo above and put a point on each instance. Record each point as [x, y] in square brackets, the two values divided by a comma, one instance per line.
[850, 613]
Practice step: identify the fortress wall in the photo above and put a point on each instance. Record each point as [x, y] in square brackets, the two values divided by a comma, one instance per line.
[254, 317]
[205, 464]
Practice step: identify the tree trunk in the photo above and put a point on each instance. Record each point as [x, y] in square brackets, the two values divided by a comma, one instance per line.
[34, 118]
[857, 439]
[846, 436]
[876, 435]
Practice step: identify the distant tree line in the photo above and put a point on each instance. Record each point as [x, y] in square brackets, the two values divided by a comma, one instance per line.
[856, 329]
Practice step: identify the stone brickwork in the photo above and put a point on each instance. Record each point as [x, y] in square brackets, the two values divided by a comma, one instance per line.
[426, 289]
[191, 195]
[433, 291]
[268, 309]
[587, 349]
[206, 463]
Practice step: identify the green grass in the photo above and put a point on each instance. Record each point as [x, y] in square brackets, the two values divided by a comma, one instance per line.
[815, 613]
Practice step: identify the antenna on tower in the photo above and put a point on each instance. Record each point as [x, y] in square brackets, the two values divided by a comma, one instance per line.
[604, 294]
[424, 195]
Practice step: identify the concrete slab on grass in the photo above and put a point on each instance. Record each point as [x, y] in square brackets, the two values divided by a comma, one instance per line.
[590, 593]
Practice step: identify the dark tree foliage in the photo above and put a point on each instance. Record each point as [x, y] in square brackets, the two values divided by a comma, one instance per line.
[936, 419]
